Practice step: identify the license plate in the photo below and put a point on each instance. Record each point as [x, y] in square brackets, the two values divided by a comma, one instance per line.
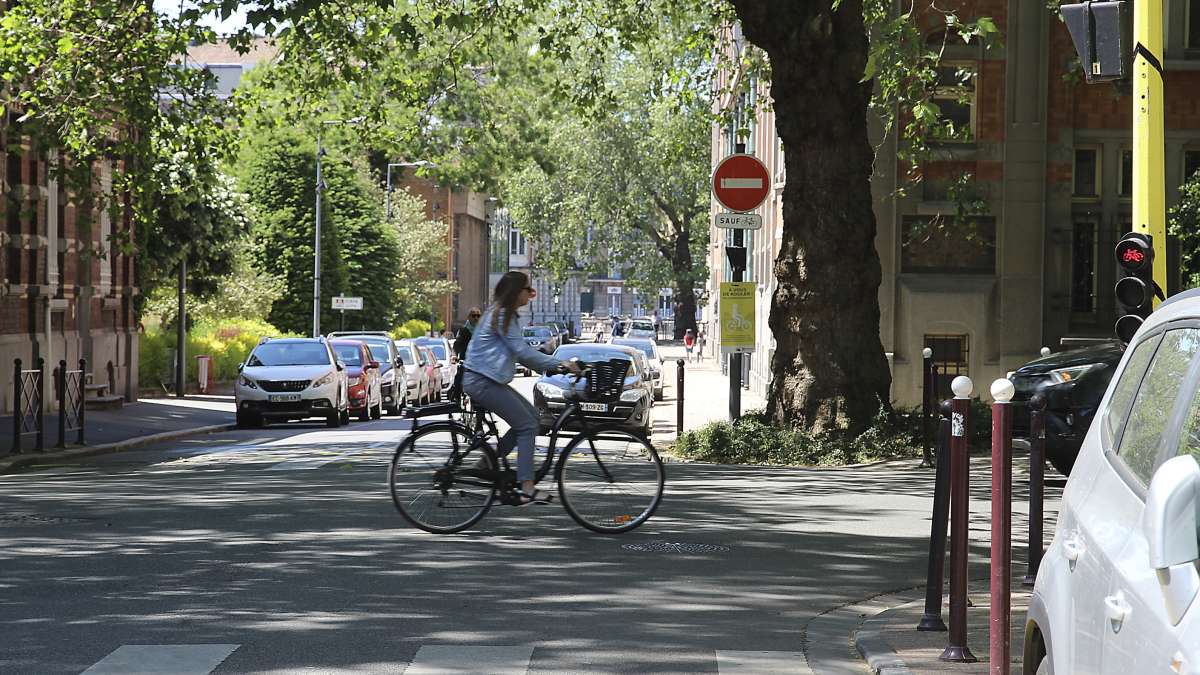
[284, 398]
[594, 407]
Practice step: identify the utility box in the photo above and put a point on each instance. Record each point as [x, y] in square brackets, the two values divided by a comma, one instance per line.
[1103, 37]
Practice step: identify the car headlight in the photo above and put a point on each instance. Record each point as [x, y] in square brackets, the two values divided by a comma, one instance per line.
[354, 380]
[1064, 375]
[389, 377]
[325, 379]
[247, 382]
[549, 390]
[632, 395]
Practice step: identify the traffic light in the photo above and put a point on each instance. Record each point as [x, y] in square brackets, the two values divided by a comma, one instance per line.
[1135, 288]
[1101, 32]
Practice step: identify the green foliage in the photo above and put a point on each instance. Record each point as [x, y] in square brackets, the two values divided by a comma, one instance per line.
[1183, 222]
[228, 342]
[413, 328]
[753, 440]
[421, 250]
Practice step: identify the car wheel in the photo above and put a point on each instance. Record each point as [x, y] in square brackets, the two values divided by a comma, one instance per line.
[658, 395]
[333, 420]
[345, 418]
[377, 411]
[364, 415]
[1063, 461]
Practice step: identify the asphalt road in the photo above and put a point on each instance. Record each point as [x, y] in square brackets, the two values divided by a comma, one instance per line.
[278, 551]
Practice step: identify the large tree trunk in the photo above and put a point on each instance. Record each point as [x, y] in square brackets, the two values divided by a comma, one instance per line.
[829, 368]
[685, 293]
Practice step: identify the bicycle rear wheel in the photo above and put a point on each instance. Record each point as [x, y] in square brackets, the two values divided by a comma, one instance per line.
[435, 479]
[610, 481]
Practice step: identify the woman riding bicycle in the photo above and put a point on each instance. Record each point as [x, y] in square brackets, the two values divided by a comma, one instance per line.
[495, 347]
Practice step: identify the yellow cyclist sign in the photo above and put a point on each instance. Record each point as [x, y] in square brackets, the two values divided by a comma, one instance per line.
[737, 317]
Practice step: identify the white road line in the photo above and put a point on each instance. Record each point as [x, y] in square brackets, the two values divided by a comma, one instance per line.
[760, 663]
[159, 659]
[444, 659]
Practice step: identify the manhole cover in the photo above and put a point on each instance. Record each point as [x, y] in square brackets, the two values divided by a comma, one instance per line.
[669, 547]
[34, 519]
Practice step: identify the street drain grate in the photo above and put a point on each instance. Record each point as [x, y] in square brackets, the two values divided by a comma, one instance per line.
[671, 547]
[35, 519]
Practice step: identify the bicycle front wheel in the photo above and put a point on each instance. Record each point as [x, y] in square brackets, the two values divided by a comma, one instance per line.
[610, 481]
[439, 481]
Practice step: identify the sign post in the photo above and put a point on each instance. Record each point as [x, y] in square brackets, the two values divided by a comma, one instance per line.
[740, 183]
[343, 303]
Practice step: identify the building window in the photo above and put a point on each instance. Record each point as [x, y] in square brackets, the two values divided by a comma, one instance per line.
[1083, 266]
[516, 242]
[954, 96]
[1191, 164]
[1125, 180]
[951, 358]
[940, 245]
[1087, 173]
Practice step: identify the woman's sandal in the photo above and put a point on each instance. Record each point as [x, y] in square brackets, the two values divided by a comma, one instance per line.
[538, 497]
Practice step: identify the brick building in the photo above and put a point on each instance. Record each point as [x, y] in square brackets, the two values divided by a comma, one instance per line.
[1049, 159]
[66, 291]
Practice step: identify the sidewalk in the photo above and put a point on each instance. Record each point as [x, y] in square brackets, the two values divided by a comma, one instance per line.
[145, 421]
[891, 644]
[705, 394]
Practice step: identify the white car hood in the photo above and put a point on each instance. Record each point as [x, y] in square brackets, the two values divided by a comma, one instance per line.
[286, 372]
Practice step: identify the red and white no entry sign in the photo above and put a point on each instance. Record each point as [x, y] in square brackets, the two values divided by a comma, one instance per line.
[741, 182]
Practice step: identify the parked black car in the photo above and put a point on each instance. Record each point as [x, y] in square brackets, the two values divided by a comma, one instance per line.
[1073, 382]
[631, 412]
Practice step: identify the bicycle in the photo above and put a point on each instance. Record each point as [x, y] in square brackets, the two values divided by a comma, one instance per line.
[445, 476]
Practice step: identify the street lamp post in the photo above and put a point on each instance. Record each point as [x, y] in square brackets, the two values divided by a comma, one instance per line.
[317, 234]
[388, 198]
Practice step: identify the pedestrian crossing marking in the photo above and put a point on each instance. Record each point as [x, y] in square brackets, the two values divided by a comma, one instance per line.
[159, 659]
[445, 659]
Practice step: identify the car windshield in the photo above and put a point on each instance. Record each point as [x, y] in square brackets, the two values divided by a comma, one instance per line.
[438, 349]
[290, 354]
[645, 347]
[350, 355]
[643, 325]
[379, 351]
[406, 356]
[537, 332]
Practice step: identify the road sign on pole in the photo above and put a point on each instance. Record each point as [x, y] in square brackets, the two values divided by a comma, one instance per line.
[738, 221]
[741, 182]
[344, 303]
[737, 317]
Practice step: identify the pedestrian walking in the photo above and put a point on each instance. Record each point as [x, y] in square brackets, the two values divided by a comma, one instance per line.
[689, 343]
[461, 342]
[657, 325]
[701, 338]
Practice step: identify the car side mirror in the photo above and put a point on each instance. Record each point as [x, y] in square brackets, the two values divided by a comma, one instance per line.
[373, 364]
[1170, 523]
[339, 365]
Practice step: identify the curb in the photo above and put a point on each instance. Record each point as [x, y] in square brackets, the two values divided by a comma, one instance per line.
[880, 656]
[20, 461]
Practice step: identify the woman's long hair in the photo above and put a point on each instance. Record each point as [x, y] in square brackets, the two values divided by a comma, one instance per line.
[504, 298]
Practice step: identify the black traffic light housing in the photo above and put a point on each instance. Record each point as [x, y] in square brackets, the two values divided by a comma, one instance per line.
[1135, 289]
[1102, 33]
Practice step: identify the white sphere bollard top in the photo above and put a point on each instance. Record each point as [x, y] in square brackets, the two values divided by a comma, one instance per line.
[1003, 390]
[962, 386]
[1045, 351]
[927, 352]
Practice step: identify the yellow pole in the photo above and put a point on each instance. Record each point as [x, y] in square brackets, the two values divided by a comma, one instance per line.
[1149, 184]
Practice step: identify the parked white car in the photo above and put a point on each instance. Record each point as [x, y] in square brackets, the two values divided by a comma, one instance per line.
[1116, 591]
[653, 359]
[446, 359]
[416, 375]
[641, 328]
[292, 378]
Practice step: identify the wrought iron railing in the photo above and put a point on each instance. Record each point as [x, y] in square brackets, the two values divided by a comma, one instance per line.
[70, 390]
[28, 392]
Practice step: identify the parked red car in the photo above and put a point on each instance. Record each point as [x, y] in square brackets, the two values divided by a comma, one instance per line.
[366, 393]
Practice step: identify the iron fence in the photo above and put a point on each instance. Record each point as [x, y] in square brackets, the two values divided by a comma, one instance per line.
[70, 390]
[28, 392]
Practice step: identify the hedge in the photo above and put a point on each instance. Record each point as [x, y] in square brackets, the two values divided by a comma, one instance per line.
[228, 343]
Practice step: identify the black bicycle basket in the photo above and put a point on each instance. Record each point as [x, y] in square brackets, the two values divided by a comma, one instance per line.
[606, 380]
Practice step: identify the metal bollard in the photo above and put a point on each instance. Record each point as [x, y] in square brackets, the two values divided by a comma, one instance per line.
[932, 619]
[41, 400]
[926, 405]
[960, 513]
[678, 397]
[1037, 486]
[1001, 549]
[17, 417]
